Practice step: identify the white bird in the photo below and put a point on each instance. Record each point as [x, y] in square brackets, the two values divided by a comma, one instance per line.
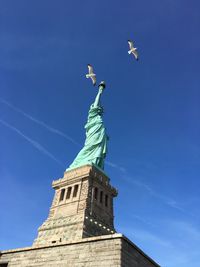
[133, 50]
[91, 74]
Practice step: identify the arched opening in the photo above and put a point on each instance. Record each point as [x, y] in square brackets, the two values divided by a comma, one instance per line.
[101, 197]
[106, 200]
[62, 193]
[69, 190]
[75, 190]
[96, 193]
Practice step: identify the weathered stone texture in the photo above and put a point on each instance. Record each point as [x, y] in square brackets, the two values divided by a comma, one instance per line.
[105, 251]
[79, 214]
[133, 256]
[79, 231]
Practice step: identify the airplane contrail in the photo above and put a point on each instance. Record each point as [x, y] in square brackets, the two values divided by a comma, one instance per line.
[49, 128]
[53, 130]
[116, 166]
[34, 143]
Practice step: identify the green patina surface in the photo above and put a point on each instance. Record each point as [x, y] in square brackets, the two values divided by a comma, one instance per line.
[95, 147]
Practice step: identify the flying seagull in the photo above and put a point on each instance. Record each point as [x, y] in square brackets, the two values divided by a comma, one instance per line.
[91, 74]
[133, 50]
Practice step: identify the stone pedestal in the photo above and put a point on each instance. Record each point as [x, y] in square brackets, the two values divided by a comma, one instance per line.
[82, 207]
[101, 251]
[79, 231]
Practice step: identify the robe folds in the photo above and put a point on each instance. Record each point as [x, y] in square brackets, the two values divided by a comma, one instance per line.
[95, 147]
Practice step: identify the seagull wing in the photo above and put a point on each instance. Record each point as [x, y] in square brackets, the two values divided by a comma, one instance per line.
[130, 44]
[135, 53]
[90, 69]
[93, 80]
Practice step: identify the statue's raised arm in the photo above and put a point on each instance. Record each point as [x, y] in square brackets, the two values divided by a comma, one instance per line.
[98, 97]
[95, 147]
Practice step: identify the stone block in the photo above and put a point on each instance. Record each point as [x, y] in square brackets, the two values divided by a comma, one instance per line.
[103, 251]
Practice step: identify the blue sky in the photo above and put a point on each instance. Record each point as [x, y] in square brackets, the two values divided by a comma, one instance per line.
[151, 113]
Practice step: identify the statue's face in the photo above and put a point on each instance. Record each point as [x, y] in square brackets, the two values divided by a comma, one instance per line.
[100, 110]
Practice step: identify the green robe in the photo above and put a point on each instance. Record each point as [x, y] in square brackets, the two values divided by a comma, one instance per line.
[95, 147]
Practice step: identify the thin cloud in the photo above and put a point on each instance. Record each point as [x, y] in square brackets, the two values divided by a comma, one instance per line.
[55, 131]
[49, 128]
[186, 240]
[116, 166]
[34, 143]
[144, 221]
[147, 237]
[180, 243]
[165, 199]
[185, 229]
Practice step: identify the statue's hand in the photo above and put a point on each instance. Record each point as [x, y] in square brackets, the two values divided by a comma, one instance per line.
[97, 99]
[102, 86]
[101, 89]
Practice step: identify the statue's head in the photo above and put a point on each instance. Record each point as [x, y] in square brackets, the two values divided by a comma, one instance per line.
[96, 111]
[100, 110]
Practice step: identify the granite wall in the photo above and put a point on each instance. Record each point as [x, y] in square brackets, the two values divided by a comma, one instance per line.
[102, 251]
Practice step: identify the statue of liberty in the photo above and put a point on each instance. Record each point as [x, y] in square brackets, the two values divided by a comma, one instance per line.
[95, 147]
